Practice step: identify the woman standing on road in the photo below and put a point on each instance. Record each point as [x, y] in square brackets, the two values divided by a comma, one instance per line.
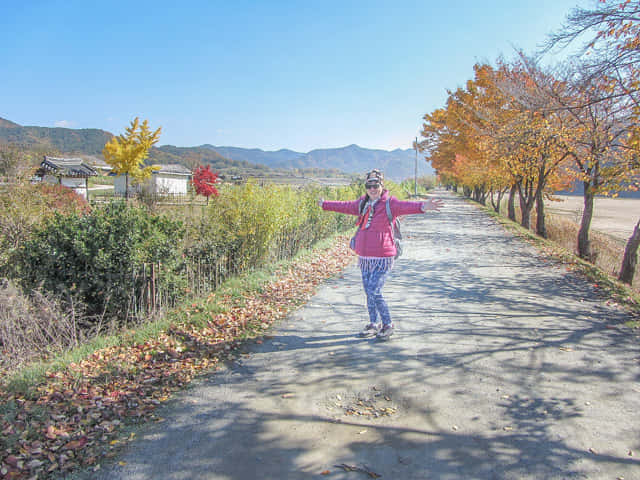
[374, 243]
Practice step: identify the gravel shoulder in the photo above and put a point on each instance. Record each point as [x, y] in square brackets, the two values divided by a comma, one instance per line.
[503, 365]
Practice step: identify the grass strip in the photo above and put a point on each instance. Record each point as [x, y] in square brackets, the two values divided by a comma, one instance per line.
[74, 412]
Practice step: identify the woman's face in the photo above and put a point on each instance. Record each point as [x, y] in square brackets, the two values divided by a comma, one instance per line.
[374, 192]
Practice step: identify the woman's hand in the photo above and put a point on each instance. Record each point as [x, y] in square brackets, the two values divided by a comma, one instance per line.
[320, 202]
[432, 204]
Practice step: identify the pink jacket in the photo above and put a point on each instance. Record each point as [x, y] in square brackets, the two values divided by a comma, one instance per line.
[377, 240]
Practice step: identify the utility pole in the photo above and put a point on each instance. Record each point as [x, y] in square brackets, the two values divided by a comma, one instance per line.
[415, 174]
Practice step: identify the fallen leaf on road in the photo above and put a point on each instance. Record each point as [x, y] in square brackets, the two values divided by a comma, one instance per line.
[76, 444]
[353, 468]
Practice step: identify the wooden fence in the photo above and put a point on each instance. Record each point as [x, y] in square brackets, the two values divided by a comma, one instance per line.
[199, 277]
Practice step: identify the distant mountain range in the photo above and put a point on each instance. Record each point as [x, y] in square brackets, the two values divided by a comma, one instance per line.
[397, 164]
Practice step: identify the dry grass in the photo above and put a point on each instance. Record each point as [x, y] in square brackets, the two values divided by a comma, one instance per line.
[608, 250]
[562, 230]
[34, 327]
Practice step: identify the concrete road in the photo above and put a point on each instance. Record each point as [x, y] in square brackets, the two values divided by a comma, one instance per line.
[503, 366]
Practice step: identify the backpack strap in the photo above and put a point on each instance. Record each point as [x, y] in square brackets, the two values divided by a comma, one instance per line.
[389, 214]
[360, 212]
[395, 226]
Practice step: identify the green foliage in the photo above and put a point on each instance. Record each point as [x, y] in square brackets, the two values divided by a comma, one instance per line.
[249, 225]
[103, 259]
[100, 258]
[425, 184]
[25, 206]
[87, 140]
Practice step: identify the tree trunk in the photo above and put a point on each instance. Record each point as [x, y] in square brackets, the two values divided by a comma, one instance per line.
[584, 243]
[526, 215]
[483, 195]
[630, 259]
[526, 204]
[495, 202]
[541, 228]
[512, 203]
[480, 195]
[126, 186]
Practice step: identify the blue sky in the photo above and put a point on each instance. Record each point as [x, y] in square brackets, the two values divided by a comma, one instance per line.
[270, 75]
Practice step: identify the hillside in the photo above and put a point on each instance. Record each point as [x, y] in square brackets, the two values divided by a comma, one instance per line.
[330, 162]
[191, 157]
[89, 141]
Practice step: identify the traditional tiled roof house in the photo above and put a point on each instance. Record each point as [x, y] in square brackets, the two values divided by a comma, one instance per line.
[70, 172]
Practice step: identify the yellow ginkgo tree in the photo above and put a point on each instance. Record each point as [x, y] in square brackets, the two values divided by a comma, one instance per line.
[126, 153]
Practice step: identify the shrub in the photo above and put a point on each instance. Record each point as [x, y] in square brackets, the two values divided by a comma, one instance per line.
[25, 206]
[249, 225]
[101, 258]
[34, 327]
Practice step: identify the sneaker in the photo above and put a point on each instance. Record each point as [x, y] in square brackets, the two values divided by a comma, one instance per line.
[385, 332]
[370, 330]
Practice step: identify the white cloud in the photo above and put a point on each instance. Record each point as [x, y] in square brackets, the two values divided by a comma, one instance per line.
[63, 123]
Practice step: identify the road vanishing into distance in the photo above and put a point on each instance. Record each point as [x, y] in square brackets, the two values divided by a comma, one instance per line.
[504, 365]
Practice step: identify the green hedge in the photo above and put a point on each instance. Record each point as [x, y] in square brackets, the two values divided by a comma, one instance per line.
[100, 258]
[121, 260]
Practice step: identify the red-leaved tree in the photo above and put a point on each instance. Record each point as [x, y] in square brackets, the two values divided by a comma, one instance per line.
[204, 181]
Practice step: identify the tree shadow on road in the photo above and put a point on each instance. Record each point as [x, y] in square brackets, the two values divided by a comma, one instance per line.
[504, 365]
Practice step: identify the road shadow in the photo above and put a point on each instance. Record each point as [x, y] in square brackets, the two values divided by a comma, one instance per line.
[504, 365]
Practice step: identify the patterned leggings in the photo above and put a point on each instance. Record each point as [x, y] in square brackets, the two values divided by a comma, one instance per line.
[373, 278]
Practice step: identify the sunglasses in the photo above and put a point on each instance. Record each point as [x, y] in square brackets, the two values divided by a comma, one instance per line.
[372, 187]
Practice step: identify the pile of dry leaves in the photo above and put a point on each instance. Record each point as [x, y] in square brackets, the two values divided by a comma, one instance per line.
[76, 417]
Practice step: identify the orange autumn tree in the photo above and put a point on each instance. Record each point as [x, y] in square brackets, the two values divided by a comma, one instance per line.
[453, 145]
[610, 62]
[483, 108]
[440, 141]
[532, 137]
[599, 129]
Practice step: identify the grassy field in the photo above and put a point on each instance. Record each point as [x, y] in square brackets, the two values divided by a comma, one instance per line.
[612, 216]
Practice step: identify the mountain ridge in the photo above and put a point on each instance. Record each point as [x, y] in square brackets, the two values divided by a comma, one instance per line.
[397, 164]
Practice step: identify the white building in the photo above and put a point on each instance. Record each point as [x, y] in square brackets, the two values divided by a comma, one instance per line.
[69, 172]
[171, 179]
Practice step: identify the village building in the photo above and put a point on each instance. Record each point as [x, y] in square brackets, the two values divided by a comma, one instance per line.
[98, 164]
[172, 179]
[69, 172]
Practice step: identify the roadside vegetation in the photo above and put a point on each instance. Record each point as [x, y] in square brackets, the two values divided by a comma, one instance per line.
[107, 309]
[520, 130]
[561, 244]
